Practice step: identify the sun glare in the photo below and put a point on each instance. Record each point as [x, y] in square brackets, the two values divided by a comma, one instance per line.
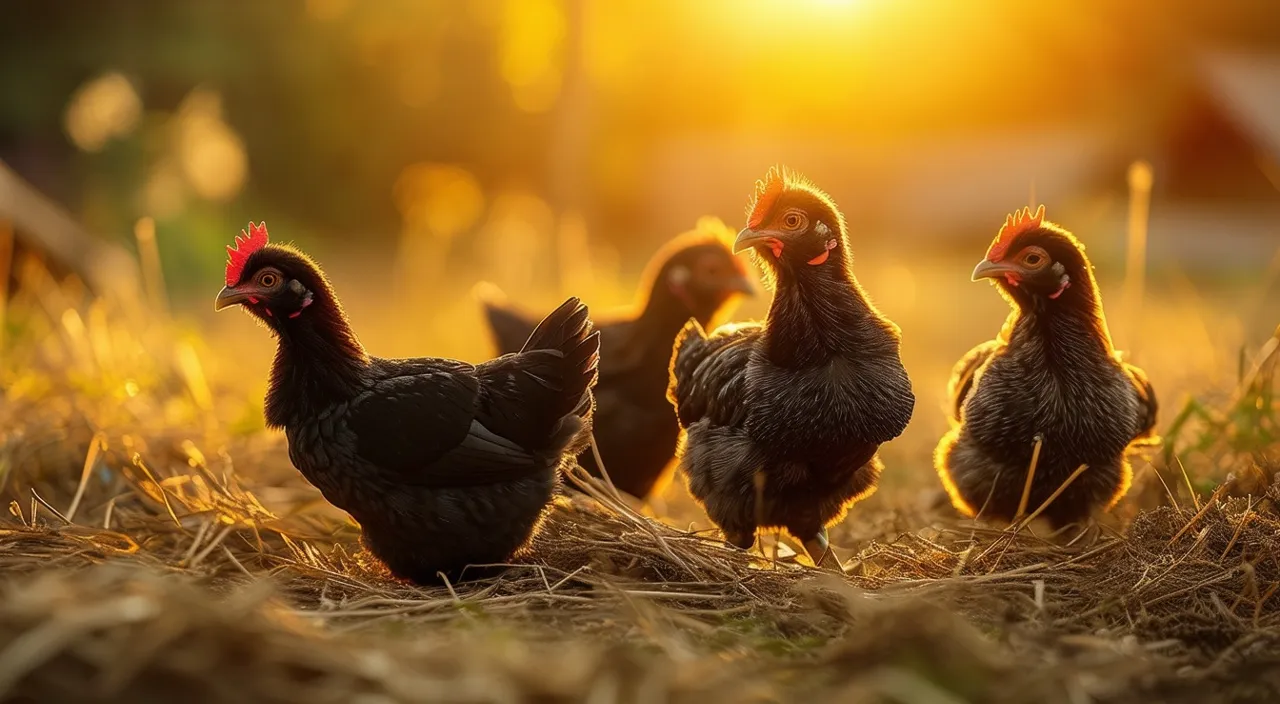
[804, 18]
[832, 7]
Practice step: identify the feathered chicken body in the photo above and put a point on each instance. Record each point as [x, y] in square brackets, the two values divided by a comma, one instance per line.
[443, 464]
[694, 276]
[783, 418]
[1053, 375]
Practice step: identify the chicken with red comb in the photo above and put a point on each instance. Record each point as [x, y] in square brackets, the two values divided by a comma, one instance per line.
[783, 418]
[443, 464]
[1052, 378]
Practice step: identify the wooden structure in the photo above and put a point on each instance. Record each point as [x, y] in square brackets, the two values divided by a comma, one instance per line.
[37, 224]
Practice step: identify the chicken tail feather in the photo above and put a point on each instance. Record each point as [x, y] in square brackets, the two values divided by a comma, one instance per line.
[567, 333]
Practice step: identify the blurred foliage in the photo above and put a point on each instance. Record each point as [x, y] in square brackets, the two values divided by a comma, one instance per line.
[324, 116]
[1241, 431]
[329, 100]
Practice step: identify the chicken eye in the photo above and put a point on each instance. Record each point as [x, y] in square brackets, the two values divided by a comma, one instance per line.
[793, 221]
[1033, 259]
[268, 280]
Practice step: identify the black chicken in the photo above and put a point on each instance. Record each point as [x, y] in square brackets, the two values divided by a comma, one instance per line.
[694, 276]
[784, 418]
[443, 464]
[1051, 374]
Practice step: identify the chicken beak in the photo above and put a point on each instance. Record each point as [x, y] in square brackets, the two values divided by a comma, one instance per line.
[749, 238]
[988, 269]
[230, 296]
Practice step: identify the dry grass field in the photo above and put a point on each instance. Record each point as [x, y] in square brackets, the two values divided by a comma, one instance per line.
[157, 545]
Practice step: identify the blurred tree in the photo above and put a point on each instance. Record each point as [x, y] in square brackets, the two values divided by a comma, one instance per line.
[332, 99]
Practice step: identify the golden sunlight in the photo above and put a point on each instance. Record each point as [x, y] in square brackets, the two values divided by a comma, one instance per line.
[102, 109]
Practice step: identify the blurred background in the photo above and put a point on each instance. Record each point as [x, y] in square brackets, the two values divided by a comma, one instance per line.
[417, 147]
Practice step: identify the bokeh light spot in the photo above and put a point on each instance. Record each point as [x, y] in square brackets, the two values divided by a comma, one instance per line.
[531, 52]
[100, 110]
[210, 153]
[441, 199]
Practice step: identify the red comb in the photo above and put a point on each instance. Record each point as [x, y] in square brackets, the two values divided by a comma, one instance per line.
[767, 192]
[246, 243]
[1017, 223]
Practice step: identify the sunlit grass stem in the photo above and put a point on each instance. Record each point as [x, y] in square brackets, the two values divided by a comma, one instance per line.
[1141, 177]
[1031, 475]
[144, 231]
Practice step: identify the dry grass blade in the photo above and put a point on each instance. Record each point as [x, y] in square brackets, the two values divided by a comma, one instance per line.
[36, 498]
[589, 485]
[1265, 357]
[604, 471]
[1240, 525]
[90, 461]
[1186, 480]
[1031, 476]
[1141, 178]
[144, 231]
[1213, 500]
[1052, 497]
[1168, 491]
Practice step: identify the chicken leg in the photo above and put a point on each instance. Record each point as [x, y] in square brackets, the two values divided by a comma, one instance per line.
[819, 549]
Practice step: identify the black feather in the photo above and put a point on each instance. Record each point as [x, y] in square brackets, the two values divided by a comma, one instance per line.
[792, 411]
[1052, 374]
[962, 376]
[443, 464]
[635, 430]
